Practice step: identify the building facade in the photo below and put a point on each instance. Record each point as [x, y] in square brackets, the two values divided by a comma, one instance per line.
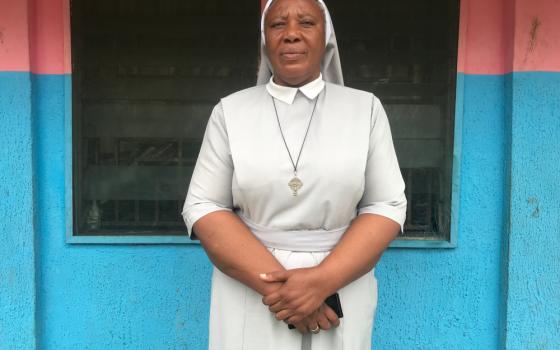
[495, 286]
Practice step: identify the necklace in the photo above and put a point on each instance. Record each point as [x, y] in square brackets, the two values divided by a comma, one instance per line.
[295, 183]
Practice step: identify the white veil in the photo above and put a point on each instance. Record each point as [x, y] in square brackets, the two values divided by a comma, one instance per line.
[330, 64]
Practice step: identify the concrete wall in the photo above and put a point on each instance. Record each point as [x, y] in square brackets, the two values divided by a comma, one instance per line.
[501, 287]
[17, 187]
[17, 221]
[498, 289]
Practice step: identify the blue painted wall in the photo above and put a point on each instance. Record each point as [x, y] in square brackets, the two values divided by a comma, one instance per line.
[533, 255]
[103, 296]
[156, 296]
[17, 213]
[449, 299]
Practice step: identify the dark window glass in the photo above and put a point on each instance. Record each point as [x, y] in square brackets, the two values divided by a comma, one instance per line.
[405, 52]
[146, 75]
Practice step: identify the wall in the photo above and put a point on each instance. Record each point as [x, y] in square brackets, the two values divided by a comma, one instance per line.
[17, 218]
[56, 295]
[501, 287]
[533, 225]
[498, 289]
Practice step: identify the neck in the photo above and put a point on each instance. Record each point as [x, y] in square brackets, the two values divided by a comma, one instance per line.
[295, 84]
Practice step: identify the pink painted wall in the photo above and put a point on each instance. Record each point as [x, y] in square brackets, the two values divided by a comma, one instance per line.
[537, 36]
[482, 37]
[501, 36]
[50, 49]
[14, 36]
[496, 36]
[35, 36]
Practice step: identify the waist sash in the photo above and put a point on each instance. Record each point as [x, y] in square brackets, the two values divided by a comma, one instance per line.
[296, 240]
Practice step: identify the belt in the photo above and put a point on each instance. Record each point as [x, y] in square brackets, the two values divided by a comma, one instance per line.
[296, 240]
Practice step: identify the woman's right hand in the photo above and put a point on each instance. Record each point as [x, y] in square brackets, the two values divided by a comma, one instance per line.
[324, 317]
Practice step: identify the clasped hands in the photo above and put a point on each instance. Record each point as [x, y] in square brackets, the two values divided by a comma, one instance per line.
[300, 299]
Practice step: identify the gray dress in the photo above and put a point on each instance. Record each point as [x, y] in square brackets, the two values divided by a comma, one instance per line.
[348, 167]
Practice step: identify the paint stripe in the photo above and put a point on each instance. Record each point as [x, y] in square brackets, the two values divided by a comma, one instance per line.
[537, 33]
[498, 37]
[50, 37]
[14, 36]
[481, 37]
[35, 36]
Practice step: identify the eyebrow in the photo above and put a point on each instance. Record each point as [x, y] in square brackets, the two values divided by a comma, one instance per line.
[299, 15]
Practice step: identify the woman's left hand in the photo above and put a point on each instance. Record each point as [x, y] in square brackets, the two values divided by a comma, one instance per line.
[322, 319]
[303, 292]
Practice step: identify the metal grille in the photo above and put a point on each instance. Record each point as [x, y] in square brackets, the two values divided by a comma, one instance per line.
[147, 73]
[405, 52]
[146, 76]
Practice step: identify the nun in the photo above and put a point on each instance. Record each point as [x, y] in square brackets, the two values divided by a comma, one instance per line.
[295, 195]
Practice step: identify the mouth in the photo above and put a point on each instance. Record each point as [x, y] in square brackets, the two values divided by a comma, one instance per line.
[292, 55]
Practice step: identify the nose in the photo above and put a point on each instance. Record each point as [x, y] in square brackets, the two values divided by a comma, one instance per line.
[292, 32]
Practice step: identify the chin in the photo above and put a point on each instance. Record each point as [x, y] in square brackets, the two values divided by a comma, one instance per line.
[295, 77]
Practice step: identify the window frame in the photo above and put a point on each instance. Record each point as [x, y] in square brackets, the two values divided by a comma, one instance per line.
[69, 131]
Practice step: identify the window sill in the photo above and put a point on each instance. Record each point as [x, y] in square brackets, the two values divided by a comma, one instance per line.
[422, 243]
[187, 240]
[129, 240]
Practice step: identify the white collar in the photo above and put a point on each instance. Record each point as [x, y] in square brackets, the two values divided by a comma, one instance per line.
[288, 94]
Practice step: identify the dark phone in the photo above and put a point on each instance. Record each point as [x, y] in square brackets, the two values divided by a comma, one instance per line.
[333, 302]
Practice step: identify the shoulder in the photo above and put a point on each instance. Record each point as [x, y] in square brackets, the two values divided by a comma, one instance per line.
[245, 96]
[240, 108]
[362, 102]
[349, 93]
[350, 97]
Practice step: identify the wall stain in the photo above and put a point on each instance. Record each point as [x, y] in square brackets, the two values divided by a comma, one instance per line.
[536, 210]
[533, 34]
[2, 35]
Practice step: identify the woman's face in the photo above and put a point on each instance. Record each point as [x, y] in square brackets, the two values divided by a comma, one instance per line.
[295, 40]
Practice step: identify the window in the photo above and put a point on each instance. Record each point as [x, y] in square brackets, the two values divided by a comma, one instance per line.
[146, 75]
[405, 52]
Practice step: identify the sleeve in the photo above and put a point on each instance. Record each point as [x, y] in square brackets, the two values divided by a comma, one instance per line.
[384, 185]
[210, 186]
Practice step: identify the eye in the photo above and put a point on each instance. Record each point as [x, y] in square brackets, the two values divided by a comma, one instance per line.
[277, 24]
[307, 23]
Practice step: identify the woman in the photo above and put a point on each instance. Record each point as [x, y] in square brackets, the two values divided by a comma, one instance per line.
[295, 195]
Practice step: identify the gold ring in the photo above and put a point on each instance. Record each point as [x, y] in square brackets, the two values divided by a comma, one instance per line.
[316, 330]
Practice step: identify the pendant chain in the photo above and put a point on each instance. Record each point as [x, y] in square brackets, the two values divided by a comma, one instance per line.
[295, 165]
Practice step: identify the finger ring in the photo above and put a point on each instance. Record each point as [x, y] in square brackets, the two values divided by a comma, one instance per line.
[316, 330]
